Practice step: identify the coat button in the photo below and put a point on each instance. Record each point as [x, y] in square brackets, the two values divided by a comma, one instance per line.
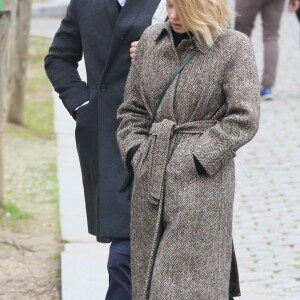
[192, 47]
[103, 88]
[122, 38]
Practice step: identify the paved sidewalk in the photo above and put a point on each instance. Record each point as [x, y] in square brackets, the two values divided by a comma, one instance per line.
[49, 9]
[266, 212]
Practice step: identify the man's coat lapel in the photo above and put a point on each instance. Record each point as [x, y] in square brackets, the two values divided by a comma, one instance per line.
[112, 12]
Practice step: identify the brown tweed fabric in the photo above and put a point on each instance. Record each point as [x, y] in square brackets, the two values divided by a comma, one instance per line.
[181, 242]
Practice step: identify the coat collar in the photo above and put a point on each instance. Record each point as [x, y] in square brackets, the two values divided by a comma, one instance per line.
[201, 45]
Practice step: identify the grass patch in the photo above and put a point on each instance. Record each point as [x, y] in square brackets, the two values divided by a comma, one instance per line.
[30, 168]
[39, 109]
[14, 212]
[57, 255]
[39, 119]
[52, 185]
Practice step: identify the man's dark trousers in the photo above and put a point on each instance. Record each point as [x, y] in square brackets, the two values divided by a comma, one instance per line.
[119, 270]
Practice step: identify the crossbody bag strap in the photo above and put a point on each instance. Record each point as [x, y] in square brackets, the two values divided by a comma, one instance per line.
[163, 93]
[127, 183]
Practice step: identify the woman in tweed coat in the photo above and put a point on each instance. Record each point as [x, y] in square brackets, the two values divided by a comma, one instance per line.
[183, 189]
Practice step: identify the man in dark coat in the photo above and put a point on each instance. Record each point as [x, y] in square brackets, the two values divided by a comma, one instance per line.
[103, 31]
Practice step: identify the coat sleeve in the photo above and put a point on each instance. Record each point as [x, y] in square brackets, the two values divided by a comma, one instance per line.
[61, 63]
[241, 89]
[133, 114]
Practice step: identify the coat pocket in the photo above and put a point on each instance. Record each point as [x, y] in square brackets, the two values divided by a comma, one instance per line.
[136, 157]
[191, 166]
[81, 109]
[129, 178]
[140, 155]
[143, 166]
[127, 183]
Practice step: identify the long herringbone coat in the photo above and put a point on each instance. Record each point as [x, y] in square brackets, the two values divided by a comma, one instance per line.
[181, 221]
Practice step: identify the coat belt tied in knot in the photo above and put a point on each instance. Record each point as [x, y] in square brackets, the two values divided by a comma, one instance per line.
[163, 132]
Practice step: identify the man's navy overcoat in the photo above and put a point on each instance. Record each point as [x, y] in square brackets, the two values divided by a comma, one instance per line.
[96, 29]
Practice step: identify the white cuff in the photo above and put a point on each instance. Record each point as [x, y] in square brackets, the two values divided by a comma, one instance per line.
[83, 104]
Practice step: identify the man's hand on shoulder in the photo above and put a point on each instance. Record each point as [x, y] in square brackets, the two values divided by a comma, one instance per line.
[133, 49]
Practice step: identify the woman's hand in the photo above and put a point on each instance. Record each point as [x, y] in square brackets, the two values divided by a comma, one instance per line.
[132, 49]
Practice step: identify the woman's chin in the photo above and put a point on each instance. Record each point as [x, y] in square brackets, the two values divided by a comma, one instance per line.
[179, 30]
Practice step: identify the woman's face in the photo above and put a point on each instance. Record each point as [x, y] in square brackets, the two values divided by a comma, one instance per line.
[174, 17]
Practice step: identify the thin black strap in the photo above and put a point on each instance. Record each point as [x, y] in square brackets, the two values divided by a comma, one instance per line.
[169, 84]
[128, 182]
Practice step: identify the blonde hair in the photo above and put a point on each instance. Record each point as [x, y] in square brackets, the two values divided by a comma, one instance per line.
[204, 18]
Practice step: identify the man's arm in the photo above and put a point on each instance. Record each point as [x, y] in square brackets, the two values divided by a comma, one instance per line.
[62, 61]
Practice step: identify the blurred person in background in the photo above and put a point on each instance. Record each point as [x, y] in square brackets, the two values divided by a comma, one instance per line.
[271, 13]
[294, 6]
[103, 31]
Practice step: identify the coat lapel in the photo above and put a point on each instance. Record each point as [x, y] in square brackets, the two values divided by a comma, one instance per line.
[112, 12]
[122, 24]
[128, 15]
[125, 20]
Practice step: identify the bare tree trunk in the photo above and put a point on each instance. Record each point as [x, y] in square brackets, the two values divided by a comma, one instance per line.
[21, 14]
[4, 30]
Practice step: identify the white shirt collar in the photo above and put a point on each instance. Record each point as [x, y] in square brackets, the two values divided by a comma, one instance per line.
[122, 2]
